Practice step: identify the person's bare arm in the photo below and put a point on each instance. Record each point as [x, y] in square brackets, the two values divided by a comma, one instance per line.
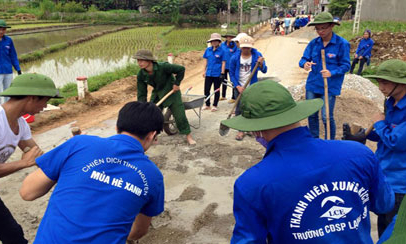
[205, 68]
[139, 227]
[27, 143]
[35, 185]
[27, 160]
[223, 67]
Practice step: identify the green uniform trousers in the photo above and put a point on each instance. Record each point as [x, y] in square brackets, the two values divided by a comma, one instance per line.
[178, 111]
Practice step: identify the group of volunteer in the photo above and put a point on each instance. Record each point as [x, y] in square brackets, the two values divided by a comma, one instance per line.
[304, 190]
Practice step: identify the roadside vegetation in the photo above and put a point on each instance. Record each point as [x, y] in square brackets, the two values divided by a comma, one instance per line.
[96, 82]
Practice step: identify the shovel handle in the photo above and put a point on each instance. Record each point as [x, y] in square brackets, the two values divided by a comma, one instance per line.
[245, 86]
[164, 98]
[326, 102]
[370, 128]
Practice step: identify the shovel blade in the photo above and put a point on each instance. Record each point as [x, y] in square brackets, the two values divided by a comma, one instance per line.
[223, 130]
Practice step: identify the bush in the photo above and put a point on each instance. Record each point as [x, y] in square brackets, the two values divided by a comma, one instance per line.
[73, 7]
[93, 8]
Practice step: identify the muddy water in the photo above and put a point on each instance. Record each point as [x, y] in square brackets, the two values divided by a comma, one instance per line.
[96, 56]
[30, 42]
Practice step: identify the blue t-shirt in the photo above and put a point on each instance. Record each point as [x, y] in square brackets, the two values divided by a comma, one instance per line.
[102, 185]
[308, 190]
[337, 62]
[8, 56]
[287, 22]
[228, 50]
[214, 61]
[365, 47]
[391, 150]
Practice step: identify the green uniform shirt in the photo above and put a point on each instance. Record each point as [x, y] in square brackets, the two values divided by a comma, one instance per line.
[162, 80]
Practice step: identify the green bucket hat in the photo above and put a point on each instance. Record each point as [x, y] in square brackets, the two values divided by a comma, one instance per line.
[32, 85]
[392, 70]
[145, 55]
[230, 34]
[268, 105]
[3, 24]
[323, 18]
[398, 235]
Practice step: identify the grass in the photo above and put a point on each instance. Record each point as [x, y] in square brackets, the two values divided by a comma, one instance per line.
[36, 25]
[345, 29]
[96, 82]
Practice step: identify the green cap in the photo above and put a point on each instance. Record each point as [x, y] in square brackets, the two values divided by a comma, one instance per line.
[392, 70]
[145, 55]
[399, 234]
[3, 24]
[323, 18]
[268, 105]
[32, 85]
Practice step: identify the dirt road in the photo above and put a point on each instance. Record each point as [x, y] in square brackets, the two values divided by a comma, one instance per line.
[198, 179]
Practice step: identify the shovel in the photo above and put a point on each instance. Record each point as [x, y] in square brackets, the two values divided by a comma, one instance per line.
[326, 102]
[223, 128]
[211, 94]
[164, 98]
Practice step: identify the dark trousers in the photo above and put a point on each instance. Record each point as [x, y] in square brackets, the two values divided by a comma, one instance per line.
[237, 108]
[385, 219]
[224, 87]
[207, 86]
[361, 65]
[10, 231]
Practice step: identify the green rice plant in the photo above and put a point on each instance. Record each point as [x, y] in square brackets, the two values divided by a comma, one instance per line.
[30, 26]
[183, 40]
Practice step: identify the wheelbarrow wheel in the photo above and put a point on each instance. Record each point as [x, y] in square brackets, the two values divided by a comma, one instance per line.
[169, 124]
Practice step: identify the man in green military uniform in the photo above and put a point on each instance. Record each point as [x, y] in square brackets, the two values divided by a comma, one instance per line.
[161, 77]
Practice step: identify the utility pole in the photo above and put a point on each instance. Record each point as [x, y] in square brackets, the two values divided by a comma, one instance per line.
[228, 13]
[240, 15]
[357, 17]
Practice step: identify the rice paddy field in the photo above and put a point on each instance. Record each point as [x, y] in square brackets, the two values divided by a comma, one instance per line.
[103, 54]
[108, 52]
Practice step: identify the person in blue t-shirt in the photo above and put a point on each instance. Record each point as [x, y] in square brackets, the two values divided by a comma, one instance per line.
[304, 188]
[390, 131]
[337, 51]
[363, 53]
[241, 66]
[214, 69]
[287, 25]
[8, 59]
[106, 189]
[229, 48]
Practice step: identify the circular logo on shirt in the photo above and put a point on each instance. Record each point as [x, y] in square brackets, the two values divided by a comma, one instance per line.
[5, 152]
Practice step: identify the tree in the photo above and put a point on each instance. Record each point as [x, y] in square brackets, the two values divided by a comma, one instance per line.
[338, 7]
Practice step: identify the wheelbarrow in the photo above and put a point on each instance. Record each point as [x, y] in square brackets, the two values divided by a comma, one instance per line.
[194, 102]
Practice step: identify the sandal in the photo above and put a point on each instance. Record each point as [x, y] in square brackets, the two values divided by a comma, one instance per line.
[214, 109]
[240, 137]
[206, 108]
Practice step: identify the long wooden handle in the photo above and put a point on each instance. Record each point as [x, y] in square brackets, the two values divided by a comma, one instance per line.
[165, 97]
[370, 128]
[326, 102]
[245, 86]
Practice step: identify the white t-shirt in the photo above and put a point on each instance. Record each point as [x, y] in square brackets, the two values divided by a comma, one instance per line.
[245, 69]
[9, 140]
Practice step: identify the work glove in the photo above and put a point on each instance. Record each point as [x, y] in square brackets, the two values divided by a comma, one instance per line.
[359, 136]
[222, 77]
[19, 72]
